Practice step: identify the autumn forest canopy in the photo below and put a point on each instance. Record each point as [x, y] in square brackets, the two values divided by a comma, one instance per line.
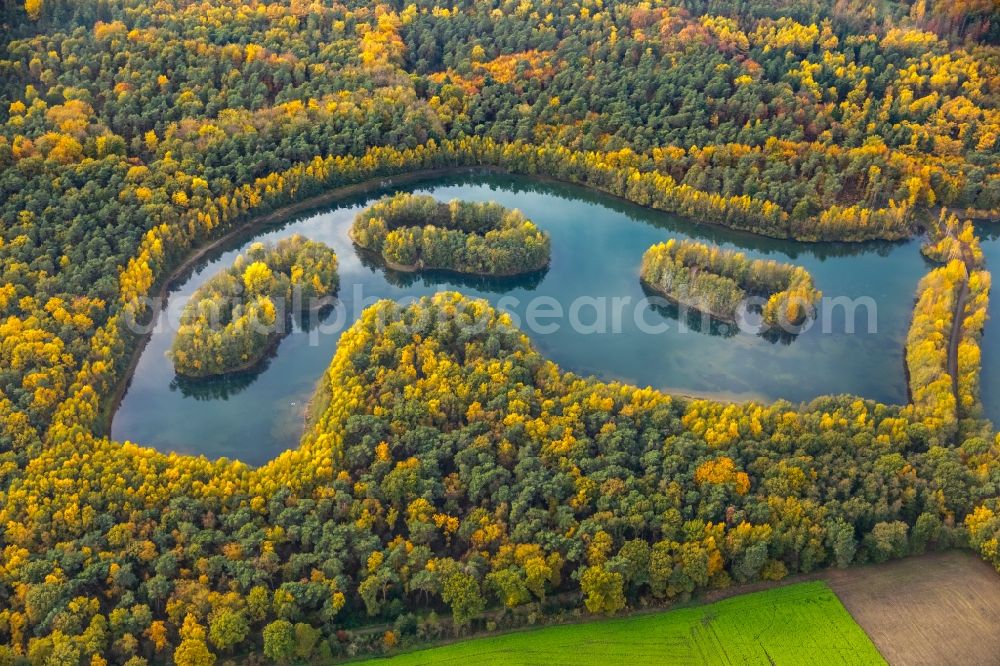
[450, 478]
[416, 232]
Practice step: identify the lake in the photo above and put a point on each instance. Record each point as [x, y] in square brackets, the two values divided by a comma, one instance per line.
[989, 235]
[597, 246]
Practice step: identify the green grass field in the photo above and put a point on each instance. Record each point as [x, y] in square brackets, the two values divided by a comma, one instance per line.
[797, 624]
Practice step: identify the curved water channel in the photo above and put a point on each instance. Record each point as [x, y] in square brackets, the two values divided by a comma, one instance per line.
[989, 236]
[597, 246]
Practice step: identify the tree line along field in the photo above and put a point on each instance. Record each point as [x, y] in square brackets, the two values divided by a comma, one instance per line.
[938, 608]
[796, 624]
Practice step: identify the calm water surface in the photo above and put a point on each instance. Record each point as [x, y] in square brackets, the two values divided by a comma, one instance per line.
[597, 246]
[989, 234]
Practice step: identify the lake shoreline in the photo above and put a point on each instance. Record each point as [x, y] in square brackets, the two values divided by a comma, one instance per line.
[659, 222]
[111, 405]
[106, 418]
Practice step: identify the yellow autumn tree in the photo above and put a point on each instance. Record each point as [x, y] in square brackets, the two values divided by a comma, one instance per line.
[34, 8]
[256, 277]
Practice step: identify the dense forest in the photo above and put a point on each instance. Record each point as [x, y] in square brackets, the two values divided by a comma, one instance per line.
[718, 282]
[503, 491]
[233, 319]
[416, 232]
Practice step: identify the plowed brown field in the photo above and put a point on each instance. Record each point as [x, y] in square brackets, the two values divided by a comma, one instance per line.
[937, 609]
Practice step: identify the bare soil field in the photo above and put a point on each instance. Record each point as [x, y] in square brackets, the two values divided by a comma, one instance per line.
[937, 609]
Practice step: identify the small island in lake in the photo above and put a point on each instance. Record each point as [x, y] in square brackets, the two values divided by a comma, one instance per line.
[236, 317]
[716, 281]
[414, 232]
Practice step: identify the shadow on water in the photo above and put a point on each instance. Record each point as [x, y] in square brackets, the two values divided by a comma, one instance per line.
[691, 318]
[218, 388]
[226, 386]
[988, 231]
[433, 278]
[697, 321]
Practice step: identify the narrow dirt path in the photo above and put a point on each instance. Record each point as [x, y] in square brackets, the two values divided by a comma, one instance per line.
[958, 321]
